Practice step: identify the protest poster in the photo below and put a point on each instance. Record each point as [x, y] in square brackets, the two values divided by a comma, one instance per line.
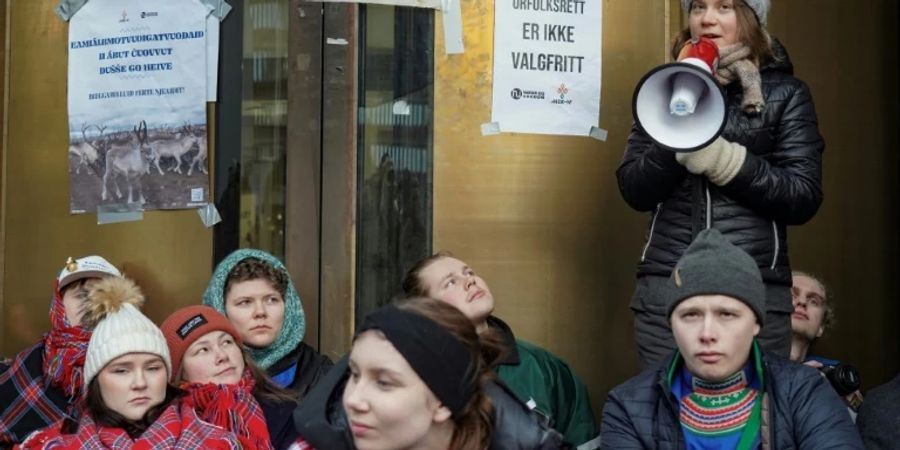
[137, 104]
[433, 4]
[547, 61]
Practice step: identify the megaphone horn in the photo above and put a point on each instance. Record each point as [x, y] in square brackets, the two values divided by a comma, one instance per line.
[681, 105]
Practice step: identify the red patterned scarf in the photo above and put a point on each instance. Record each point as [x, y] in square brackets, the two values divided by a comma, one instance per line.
[178, 427]
[65, 347]
[232, 407]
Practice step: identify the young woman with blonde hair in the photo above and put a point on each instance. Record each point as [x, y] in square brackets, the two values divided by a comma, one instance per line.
[761, 175]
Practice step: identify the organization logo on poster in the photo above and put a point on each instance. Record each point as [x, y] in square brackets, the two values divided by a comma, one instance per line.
[124, 16]
[562, 90]
[518, 94]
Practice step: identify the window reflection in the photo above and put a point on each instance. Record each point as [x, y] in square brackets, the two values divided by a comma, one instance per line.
[263, 125]
[395, 148]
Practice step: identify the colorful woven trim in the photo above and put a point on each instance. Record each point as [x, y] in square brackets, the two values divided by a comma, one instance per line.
[715, 409]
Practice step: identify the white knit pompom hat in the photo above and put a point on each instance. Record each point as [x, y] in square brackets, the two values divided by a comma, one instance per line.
[120, 327]
[760, 7]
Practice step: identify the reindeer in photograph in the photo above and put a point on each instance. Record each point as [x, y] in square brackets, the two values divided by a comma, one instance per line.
[200, 157]
[128, 159]
[88, 150]
[164, 131]
[173, 147]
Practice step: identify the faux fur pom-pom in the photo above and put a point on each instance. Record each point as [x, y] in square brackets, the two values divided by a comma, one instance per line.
[107, 296]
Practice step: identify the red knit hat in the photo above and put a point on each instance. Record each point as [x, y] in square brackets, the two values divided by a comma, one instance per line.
[187, 325]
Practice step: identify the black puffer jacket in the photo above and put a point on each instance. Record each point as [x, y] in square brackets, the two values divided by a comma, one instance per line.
[320, 419]
[779, 184]
[801, 411]
[311, 367]
[278, 421]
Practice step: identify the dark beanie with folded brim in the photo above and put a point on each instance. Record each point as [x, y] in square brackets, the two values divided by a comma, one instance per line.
[712, 265]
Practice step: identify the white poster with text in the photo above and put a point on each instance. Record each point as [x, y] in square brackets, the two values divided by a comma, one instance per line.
[547, 66]
[433, 4]
[137, 104]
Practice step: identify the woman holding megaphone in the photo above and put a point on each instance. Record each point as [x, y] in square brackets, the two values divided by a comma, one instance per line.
[759, 172]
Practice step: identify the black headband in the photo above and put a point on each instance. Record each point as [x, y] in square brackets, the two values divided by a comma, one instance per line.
[438, 357]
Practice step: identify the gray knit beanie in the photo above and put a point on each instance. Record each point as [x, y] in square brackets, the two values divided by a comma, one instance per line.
[760, 7]
[713, 266]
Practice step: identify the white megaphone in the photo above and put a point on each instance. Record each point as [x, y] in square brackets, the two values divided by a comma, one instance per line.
[680, 105]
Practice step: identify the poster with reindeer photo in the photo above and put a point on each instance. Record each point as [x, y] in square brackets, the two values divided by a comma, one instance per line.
[137, 105]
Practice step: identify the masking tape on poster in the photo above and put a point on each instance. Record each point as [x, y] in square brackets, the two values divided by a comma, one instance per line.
[65, 9]
[119, 212]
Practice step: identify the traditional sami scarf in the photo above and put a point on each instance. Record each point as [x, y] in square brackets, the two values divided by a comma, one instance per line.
[65, 347]
[178, 428]
[232, 407]
[724, 414]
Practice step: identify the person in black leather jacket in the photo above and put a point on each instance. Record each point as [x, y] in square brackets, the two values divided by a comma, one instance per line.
[762, 174]
[418, 376]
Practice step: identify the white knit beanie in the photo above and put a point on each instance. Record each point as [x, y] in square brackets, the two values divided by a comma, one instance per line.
[120, 327]
[760, 7]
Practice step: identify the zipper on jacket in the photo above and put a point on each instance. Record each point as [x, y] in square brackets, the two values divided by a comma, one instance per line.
[652, 226]
[775, 258]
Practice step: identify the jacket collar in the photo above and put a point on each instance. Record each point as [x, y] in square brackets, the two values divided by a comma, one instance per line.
[291, 359]
[781, 61]
[667, 371]
[320, 419]
[511, 358]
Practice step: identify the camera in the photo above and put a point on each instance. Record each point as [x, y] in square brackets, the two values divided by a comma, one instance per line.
[844, 378]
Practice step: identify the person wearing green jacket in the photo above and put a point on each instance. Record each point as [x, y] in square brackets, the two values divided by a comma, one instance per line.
[539, 378]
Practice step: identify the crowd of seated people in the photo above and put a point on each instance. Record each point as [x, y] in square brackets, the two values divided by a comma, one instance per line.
[723, 326]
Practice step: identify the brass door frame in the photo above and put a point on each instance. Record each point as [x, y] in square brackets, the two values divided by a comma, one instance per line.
[304, 161]
[339, 109]
[4, 31]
